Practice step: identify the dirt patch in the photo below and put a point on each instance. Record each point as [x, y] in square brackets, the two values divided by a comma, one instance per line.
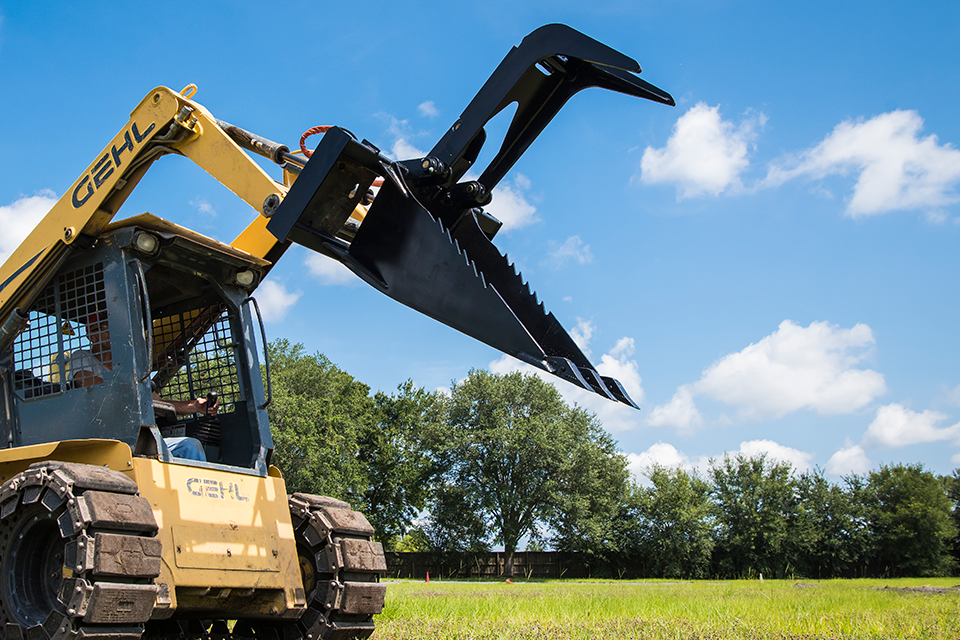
[925, 589]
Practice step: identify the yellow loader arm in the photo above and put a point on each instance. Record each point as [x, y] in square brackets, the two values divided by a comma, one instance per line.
[164, 122]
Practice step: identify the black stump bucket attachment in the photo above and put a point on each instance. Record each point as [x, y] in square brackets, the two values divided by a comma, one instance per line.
[426, 241]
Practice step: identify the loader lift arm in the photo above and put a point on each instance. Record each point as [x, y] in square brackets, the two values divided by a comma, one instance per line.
[425, 241]
[164, 122]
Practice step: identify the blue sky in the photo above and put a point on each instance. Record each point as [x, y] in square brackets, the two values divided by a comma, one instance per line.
[770, 266]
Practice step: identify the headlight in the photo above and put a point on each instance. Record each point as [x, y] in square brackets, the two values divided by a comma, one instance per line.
[146, 242]
[246, 278]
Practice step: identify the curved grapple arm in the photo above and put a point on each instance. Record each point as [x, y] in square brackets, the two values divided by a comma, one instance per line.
[426, 240]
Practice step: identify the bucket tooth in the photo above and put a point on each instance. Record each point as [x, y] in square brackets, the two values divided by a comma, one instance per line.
[563, 368]
[614, 387]
[593, 379]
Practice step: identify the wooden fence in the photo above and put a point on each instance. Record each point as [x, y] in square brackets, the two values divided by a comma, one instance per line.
[540, 564]
[531, 564]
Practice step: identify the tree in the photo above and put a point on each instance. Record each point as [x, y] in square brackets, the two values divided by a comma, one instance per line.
[332, 438]
[755, 503]
[830, 533]
[395, 464]
[677, 523]
[911, 520]
[591, 515]
[951, 485]
[516, 459]
[317, 416]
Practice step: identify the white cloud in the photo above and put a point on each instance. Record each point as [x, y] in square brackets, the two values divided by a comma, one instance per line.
[897, 426]
[681, 412]
[572, 249]
[666, 455]
[849, 459]
[19, 218]
[428, 109]
[793, 368]
[582, 334]
[704, 155]
[953, 395]
[663, 454]
[402, 148]
[896, 169]
[800, 460]
[204, 207]
[617, 364]
[275, 301]
[329, 271]
[510, 204]
[797, 367]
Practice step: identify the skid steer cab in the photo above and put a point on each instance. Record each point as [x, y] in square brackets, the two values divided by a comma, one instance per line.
[125, 501]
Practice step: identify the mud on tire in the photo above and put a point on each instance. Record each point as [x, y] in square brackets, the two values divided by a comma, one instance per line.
[341, 567]
[78, 556]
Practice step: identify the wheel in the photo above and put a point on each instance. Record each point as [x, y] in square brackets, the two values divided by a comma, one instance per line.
[78, 556]
[340, 565]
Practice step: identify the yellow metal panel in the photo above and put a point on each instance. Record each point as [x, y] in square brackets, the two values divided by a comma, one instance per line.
[208, 511]
[112, 454]
[150, 221]
[230, 549]
[255, 239]
[223, 158]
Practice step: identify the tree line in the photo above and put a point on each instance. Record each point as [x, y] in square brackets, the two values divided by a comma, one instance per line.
[502, 460]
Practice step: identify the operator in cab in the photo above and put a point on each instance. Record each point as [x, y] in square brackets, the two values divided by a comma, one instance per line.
[90, 366]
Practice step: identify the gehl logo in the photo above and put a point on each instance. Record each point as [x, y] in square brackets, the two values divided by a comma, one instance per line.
[207, 488]
[105, 165]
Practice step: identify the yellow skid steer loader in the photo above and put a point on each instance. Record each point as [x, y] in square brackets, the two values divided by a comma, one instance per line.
[125, 501]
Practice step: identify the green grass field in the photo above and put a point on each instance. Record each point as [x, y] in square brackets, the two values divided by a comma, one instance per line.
[663, 609]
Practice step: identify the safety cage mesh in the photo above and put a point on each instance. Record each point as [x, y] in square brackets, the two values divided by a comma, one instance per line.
[67, 344]
[194, 354]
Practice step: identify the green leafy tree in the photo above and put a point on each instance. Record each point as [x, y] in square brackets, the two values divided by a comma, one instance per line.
[755, 503]
[516, 459]
[830, 534]
[317, 416]
[456, 525]
[414, 541]
[951, 486]
[332, 438]
[910, 516]
[676, 515]
[395, 464]
[590, 516]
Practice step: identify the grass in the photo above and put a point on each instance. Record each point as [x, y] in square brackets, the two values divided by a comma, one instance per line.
[663, 609]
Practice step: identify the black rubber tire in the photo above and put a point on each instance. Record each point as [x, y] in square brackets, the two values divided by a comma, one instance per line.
[341, 567]
[78, 554]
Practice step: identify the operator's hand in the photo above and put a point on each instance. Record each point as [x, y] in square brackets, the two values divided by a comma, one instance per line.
[210, 410]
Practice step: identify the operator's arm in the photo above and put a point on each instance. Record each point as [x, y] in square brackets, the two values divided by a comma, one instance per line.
[86, 379]
[198, 405]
